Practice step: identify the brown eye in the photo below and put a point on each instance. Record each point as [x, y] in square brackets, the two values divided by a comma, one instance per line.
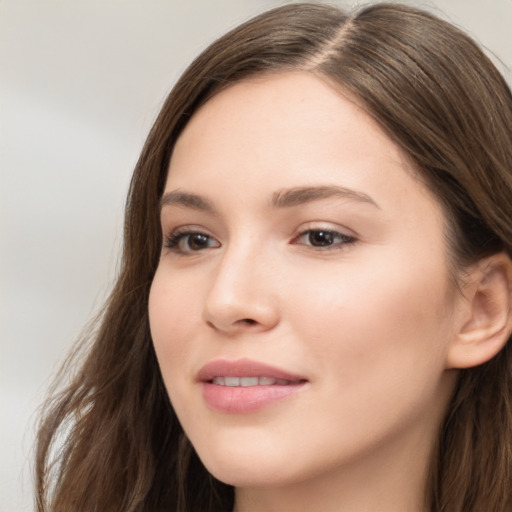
[186, 243]
[321, 238]
[196, 242]
[324, 238]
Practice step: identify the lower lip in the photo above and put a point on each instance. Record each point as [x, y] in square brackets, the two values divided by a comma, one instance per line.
[241, 399]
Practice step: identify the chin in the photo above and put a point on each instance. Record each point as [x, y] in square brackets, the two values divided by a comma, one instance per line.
[240, 470]
[250, 478]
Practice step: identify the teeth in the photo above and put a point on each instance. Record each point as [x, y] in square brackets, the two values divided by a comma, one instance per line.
[231, 381]
[249, 381]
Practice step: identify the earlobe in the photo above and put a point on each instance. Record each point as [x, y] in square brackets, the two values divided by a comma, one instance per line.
[486, 323]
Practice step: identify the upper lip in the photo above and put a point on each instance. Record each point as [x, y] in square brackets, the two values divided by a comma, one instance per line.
[243, 368]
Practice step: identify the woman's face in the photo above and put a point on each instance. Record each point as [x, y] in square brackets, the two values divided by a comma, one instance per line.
[302, 308]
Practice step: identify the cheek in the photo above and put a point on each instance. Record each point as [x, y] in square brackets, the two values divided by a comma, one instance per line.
[388, 318]
[173, 318]
[378, 341]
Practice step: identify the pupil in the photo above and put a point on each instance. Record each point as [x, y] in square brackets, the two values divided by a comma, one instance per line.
[321, 238]
[198, 241]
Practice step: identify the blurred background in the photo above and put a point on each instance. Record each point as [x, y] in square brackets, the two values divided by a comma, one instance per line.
[81, 82]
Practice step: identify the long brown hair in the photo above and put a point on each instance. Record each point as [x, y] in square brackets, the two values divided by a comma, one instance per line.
[111, 440]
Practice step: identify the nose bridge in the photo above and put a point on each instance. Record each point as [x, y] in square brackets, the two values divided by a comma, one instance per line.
[242, 291]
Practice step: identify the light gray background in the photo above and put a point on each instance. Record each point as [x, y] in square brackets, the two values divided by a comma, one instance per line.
[80, 84]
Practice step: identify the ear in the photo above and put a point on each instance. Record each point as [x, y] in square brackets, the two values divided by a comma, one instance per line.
[485, 322]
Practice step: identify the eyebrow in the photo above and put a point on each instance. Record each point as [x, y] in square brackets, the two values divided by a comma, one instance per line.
[281, 199]
[301, 195]
[187, 200]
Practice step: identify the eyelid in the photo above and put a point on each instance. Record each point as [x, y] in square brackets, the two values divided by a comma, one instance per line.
[346, 236]
[326, 226]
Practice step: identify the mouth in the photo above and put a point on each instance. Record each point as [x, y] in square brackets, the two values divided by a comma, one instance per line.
[245, 386]
[246, 373]
[246, 382]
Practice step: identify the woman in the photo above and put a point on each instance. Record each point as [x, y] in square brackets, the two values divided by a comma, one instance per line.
[313, 307]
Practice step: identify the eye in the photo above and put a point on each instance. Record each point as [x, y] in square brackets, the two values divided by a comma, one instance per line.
[186, 242]
[324, 238]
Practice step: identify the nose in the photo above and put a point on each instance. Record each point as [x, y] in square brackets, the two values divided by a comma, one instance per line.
[243, 293]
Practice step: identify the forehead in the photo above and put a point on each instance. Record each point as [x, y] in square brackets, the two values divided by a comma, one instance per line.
[295, 106]
[290, 129]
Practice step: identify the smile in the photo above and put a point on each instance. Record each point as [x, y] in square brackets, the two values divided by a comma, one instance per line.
[245, 386]
[249, 381]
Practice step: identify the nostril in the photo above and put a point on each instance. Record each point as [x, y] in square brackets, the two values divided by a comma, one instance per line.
[243, 321]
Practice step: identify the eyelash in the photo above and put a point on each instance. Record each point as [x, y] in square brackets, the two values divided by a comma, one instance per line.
[179, 236]
[343, 240]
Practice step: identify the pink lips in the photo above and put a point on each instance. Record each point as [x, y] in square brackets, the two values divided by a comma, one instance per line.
[244, 386]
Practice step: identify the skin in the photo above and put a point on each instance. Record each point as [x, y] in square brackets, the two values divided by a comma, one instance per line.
[368, 322]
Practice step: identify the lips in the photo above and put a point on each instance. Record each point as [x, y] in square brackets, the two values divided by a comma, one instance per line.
[244, 385]
[243, 368]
